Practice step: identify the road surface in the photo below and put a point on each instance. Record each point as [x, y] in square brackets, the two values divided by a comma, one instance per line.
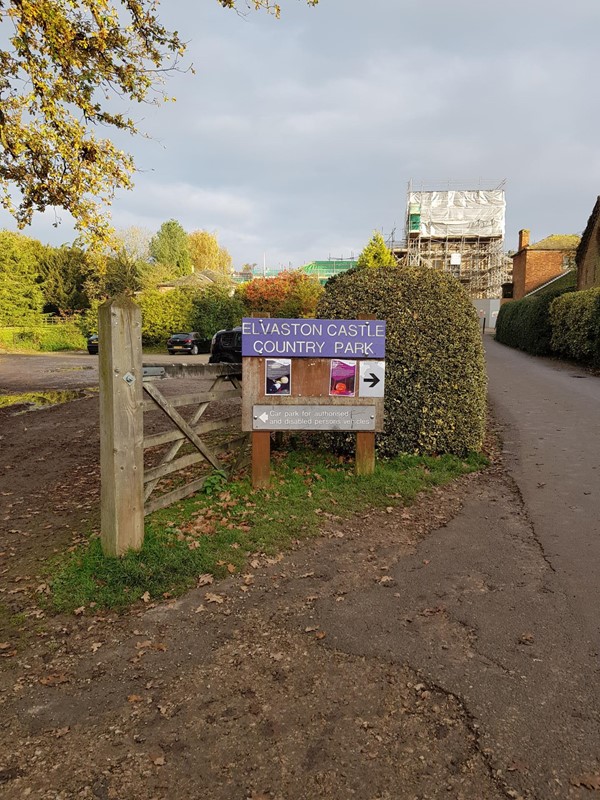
[549, 411]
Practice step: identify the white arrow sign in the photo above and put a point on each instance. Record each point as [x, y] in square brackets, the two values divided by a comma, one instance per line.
[264, 417]
[372, 379]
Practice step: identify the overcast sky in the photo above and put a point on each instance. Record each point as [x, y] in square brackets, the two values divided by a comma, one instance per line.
[296, 138]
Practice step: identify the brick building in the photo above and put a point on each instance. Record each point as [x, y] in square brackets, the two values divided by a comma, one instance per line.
[588, 252]
[536, 264]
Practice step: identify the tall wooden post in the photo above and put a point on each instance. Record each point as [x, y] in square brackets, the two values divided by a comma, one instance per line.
[261, 459]
[364, 459]
[365, 453]
[121, 426]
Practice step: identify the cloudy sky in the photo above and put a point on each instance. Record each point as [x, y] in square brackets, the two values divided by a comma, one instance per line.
[296, 138]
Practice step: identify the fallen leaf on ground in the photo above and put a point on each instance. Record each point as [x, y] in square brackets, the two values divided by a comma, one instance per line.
[214, 598]
[320, 635]
[4, 645]
[134, 698]
[591, 782]
[54, 680]
[146, 597]
[96, 646]
[158, 761]
[205, 580]
[60, 732]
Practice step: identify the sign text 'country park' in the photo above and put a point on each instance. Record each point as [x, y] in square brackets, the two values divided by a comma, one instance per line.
[313, 338]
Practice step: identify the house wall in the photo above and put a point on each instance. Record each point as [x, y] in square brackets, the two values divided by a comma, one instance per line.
[487, 310]
[588, 272]
[532, 268]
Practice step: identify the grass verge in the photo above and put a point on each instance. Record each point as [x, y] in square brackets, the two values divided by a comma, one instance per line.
[218, 530]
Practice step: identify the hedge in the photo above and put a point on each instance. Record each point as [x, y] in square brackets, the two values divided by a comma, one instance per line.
[435, 397]
[43, 338]
[526, 323]
[575, 321]
[203, 310]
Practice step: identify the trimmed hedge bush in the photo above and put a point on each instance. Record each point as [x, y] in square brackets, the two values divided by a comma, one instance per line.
[526, 323]
[164, 313]
[435, 371]
[575, 321]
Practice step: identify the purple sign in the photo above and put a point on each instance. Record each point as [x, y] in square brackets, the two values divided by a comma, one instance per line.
[313, 338]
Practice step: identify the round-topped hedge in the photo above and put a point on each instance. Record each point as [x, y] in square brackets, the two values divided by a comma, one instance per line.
[435, 393]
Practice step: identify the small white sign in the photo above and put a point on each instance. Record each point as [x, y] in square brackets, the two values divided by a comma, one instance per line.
[372, 379]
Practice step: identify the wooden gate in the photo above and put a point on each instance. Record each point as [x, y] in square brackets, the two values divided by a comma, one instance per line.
[145, 467]
[214, 442]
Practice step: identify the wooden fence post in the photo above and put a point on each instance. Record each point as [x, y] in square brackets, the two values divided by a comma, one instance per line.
[121, 426]
[364, 459]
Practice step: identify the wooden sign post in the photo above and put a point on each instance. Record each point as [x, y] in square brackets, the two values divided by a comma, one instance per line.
[312, 375]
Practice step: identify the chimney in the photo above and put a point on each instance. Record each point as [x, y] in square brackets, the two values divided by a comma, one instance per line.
[523, 238]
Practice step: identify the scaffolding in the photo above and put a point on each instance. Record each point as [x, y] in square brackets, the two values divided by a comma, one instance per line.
[459, 231]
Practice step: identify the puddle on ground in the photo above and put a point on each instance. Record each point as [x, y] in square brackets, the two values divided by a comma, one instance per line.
[37, 400]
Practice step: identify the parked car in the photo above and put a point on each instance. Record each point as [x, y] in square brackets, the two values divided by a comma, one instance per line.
[191, 343]
[92, 344]
[226, 346]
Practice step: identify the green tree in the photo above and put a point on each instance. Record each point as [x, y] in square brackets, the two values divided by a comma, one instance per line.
[21, 295]
[65, 271]
[128, 268]
[171, 249]
[208, 254]
[215, 308]
[70, 68]
[376, 254]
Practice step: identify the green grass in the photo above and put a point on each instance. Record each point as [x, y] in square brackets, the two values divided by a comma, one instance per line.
[40, 399]
[215, 532]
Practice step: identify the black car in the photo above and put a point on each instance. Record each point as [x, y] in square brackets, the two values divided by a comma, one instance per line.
[92, 344]
[226, 347]
[191, 343]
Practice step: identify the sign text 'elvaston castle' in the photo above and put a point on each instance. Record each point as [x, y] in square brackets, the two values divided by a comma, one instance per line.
[317, 338]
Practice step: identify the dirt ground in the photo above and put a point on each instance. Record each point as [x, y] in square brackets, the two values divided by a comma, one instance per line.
[399, 657]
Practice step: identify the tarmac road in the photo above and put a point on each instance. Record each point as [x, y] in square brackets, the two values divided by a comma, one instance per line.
[549, 411]
[500, 607]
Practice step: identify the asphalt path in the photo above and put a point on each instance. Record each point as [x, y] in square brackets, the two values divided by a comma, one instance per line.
[499, 607]
[551, 438]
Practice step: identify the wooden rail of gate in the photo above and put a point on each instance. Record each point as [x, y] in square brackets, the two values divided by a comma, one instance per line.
[127, 390]
[225, 384]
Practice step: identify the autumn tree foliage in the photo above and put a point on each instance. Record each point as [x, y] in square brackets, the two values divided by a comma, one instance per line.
[376, 254]
[289, 294]
[206, 253]
[70, 71]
